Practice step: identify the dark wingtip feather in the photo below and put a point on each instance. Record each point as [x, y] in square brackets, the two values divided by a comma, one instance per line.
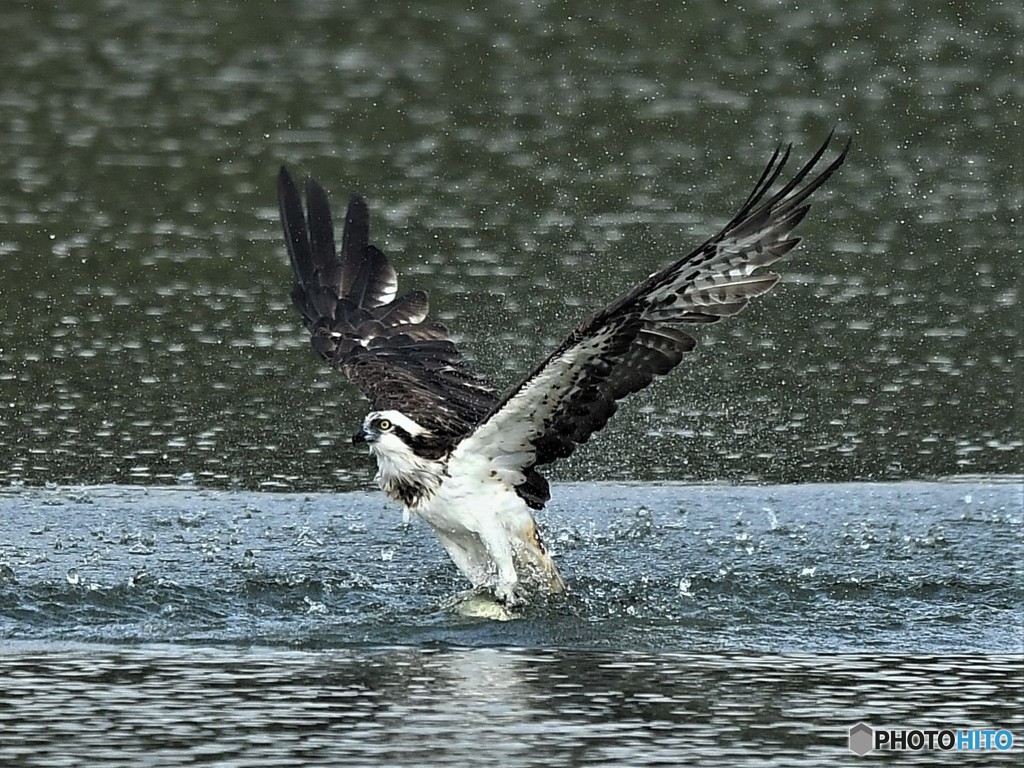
[380, 283]
[356, 235]
[367, 275]
[293, 221]
[321, 232]
[384, 345]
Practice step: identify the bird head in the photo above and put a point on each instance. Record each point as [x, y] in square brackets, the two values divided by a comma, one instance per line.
[388, 431]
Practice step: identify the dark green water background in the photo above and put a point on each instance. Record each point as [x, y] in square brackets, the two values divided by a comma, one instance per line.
[524, 163]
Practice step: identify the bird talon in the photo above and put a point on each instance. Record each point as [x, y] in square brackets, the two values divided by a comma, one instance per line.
[507, 595]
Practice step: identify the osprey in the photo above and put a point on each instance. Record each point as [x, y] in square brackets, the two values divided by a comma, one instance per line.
[449, 448]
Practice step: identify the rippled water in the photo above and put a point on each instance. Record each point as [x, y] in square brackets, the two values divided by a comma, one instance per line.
[523, 162]
[729, 625]
[161, 706]
[930, 567]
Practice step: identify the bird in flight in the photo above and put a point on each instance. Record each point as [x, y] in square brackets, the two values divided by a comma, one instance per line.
[451, 449]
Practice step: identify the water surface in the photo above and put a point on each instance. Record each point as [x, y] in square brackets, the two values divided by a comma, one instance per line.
[523, 162]
[925, 567]
[162, 706]
[728, 625]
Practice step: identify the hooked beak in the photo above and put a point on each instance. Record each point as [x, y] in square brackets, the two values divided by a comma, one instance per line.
[360, 436]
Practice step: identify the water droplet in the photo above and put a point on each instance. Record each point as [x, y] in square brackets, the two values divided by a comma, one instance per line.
[684, 586]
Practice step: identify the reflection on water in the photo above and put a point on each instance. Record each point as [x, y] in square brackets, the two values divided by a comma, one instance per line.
[521, 165]
[162, 706]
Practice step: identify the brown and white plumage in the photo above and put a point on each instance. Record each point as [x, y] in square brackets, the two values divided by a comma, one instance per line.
[621, 348]
[382, 342]
[447, 447]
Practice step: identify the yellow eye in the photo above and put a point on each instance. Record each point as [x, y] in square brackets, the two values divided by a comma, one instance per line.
[383, 424]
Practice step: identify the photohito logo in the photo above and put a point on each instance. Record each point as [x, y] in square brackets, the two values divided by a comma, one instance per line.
[864, 739]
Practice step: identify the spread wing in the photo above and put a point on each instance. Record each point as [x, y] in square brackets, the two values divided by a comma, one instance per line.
[622, 347]
[382, 342]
